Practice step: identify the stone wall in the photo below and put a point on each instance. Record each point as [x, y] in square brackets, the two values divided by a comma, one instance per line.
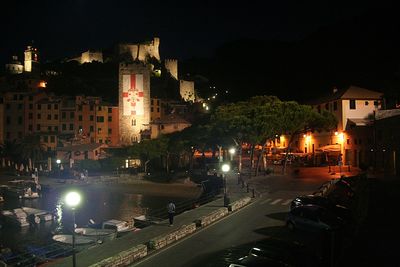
[124, 258]
[186, 89]
[172, 66]
[164, 240]
[141, 51]
[212, 217]
[239, 204]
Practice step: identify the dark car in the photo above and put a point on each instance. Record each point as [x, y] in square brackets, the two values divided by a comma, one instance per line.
[277, 252]
[313, 218]
[324, 202]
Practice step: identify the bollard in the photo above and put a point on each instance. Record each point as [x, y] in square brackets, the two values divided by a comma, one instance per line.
[253, 193]
[247, 185]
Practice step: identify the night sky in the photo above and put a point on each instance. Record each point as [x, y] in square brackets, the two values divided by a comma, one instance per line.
[186, 28]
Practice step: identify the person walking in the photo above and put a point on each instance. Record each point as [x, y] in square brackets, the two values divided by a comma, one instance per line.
[171, 212]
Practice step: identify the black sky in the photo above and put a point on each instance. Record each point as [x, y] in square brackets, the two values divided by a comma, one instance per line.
[186, 28]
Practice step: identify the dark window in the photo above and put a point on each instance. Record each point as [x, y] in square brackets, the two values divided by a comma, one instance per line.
[48, 116]
[355, 141]
[109, 118]
[376, 103]
[30, 116]
[39, 106]
[151, 109]
[80, 117]
[158, 109]
[56, 116]
[80, 108]
[39, 116]
[56, 128]
[64, 127]
[30, 127]
[91, 107]
[91, 128]
[366, 103]
[45, 138]
[48, 106]
[360, 141]
[52, 139]
[71, 115]
[352, 104]
[348, 141]
[49, 128]
[158, 102]
[56, 106]
[20, 120]
[109, 131]
[30, 106]
[152, 102]
[71, 126]
[63, 115]
[15, 97]
[99, 130]
[109, 110]
[38, 127]
[100, 119]
[19, 106]
[91, 117]
[162, 127]
[99, 108]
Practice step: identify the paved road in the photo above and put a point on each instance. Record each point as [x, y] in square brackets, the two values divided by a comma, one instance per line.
[232, 237]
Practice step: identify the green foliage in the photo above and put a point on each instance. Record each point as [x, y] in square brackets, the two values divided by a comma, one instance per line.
[90, 165]
[111, 163]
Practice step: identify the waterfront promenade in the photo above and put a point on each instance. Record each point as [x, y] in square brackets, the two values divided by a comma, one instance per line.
[136, 245]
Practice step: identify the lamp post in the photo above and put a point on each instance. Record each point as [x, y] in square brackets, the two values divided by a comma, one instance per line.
[58, 161]
[73, 199]
[225, 168]
[232, 152]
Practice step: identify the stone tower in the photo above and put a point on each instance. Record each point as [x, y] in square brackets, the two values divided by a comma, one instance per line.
[134, 101]
[172, 67]
[31, 63]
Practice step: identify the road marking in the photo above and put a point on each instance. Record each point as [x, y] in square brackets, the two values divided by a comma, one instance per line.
[265, 201]
[287, 202]
[276, 201]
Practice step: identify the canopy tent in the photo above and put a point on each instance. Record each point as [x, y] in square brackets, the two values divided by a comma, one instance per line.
[329, 148]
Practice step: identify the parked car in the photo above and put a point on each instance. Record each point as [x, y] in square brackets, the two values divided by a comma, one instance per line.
[313, 218]
[325, 202]
[277, 252]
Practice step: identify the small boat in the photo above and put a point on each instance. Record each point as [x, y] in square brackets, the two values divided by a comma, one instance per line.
[15, 217]
[103, 234]
[116, 225]
[22, 189]
[25, 216]
[79, 240]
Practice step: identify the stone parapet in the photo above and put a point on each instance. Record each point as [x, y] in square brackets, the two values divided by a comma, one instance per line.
[238, 204]
[164, 240]
[212, 217]
[124, 258]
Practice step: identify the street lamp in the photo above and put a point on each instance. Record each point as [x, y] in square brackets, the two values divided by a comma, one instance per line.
[225, 168]
[232, 151]
[58, 161]
[73, 199]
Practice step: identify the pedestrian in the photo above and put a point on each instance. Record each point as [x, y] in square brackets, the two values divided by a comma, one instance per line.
[171, 213]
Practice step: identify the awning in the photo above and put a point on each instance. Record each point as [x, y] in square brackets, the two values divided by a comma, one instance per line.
[329, 148]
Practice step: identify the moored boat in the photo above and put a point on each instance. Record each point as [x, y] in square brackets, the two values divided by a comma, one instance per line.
[103, 234]
[22, 189]
[79, 240]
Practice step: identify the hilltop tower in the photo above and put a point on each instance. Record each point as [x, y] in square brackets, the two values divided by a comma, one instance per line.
[14, 67]
[134, 101]
[31, 63]
[172, 67]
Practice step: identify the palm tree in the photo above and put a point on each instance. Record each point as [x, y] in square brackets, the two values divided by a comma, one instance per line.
[32, 148]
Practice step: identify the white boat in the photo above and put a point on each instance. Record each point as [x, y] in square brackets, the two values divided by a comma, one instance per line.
[119, 226]
[79, 240]
[22, 189]
[104, 234]
[16, 217]
[25, 216]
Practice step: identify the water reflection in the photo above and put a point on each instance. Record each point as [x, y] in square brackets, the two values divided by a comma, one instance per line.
[96, 204]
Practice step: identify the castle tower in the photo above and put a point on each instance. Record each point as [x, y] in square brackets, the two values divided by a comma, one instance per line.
[172, 67]
[14, 67]
[134, 101]
[187, 91]
[31, 59]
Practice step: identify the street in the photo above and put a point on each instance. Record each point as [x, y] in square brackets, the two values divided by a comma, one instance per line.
[232, 237]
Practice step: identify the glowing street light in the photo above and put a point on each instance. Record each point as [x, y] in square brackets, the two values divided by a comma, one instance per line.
[73, 199]
[232, 152]
[225, 168]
